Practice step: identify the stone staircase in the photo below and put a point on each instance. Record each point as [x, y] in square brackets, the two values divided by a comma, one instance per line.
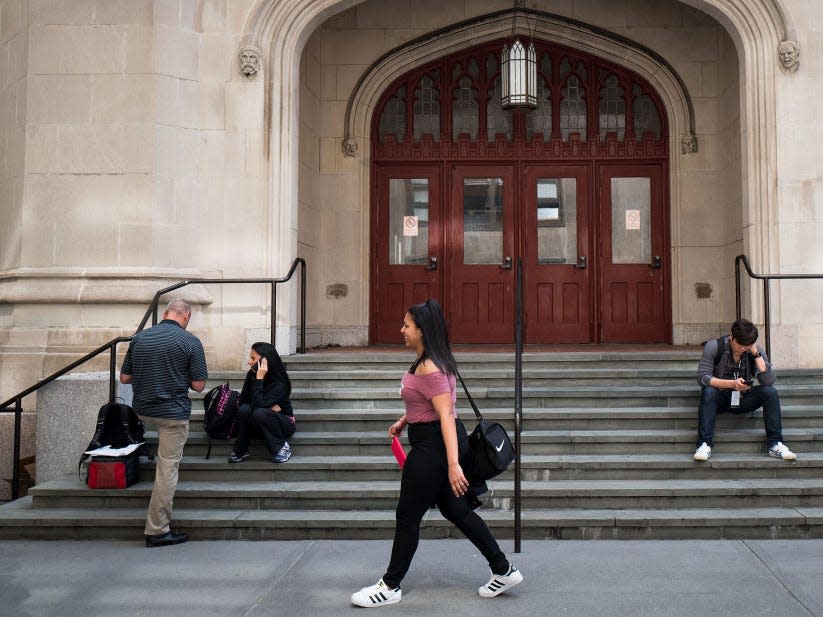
[606, 453]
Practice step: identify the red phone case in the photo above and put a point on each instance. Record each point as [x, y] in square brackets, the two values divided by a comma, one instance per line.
[398, 451]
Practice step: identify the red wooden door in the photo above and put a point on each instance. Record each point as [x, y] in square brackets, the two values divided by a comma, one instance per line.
[406, 245]
[480, 254]
[632, 260]
[557, 254]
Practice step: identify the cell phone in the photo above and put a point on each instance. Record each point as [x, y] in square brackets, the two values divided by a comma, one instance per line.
[749, 382]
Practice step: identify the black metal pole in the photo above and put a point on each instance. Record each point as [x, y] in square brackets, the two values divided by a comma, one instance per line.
[112, 369]
[15, 474]
[518, 397]
[767, 317]
[737, 292]
[273, 313]
[302, 307]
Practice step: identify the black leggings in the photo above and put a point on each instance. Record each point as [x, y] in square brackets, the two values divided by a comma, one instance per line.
[425, 482]
[274, 428]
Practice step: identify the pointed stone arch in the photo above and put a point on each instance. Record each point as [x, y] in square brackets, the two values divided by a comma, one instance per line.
[280, 28]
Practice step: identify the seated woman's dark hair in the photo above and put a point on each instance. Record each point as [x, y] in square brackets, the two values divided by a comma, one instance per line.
[277, 371]
[429, 318]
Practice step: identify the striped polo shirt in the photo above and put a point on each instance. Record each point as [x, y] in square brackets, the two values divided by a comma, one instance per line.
[163, 361]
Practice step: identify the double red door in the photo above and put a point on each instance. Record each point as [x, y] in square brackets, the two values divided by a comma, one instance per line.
[592, 240]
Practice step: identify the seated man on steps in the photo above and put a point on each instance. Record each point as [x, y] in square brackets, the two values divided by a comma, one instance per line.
[726, 374]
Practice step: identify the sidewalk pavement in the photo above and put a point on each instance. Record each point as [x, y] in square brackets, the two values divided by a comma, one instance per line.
[726, 578]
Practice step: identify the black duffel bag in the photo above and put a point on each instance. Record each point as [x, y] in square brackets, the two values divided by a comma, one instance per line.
[490, 450]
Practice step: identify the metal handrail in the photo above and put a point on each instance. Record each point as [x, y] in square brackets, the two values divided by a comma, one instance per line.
[518, 400]
[766, 278]
[111, 346]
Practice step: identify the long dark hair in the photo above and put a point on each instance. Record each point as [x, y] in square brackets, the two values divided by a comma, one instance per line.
[429, 318]
[276, 372]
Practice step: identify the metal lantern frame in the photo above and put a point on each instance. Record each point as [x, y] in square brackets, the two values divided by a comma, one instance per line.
[518, 64]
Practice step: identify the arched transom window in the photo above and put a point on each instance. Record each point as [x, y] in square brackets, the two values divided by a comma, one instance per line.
[586, 108]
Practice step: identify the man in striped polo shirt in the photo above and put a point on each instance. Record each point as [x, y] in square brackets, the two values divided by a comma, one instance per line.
[161, 364]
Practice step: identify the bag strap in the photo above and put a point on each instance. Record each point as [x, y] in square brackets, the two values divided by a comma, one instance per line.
[469, 396]
[124, 422]
[721, 349]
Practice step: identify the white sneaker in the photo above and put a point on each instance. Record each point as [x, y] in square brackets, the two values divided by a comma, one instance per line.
[376, 595]
[499, 583]
[703, 452]
[780, 450]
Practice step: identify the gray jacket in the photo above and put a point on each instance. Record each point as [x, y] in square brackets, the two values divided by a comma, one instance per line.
[707, 369]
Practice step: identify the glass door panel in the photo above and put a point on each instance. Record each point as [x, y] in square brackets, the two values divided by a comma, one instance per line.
[556, 204]
[408, 221]
[631, 217]
[482, 220]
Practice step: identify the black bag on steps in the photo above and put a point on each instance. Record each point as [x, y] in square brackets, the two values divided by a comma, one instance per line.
[490, 449]
[118, 426]
[220, 407]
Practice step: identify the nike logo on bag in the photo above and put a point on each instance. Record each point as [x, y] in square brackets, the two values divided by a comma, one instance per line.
[500, 447]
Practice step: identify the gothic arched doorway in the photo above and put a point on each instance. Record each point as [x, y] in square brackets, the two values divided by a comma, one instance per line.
[577, 188]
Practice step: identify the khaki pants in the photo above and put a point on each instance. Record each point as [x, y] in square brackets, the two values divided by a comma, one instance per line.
[172, 436]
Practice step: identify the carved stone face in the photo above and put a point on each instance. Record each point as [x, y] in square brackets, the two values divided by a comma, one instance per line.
[789, 55]
[249, 61]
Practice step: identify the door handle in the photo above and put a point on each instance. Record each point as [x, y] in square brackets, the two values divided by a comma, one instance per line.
[581, 262]
[507, 263]
[432, 264]
[656, 262]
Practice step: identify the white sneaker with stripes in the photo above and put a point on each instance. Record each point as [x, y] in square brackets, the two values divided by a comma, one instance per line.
[376, 595]
[499, 583]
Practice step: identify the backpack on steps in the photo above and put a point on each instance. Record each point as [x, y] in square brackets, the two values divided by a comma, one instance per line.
[118, 426]
[220, 413]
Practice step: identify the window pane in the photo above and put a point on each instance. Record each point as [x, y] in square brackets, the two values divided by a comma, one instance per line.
[498, 119]
[408, 221]
[393, 117]
[556, 220]
[573, 109]
[540, 120]
[427, 109]
[465, 109]
[612, 109]
[646, 118]
[482, 220]
[631, 221]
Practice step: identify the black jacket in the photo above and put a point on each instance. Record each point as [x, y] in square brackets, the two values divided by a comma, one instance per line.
[259, 393]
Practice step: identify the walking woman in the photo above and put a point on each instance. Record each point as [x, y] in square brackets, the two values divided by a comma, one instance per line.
[265, 408]
[432, 474]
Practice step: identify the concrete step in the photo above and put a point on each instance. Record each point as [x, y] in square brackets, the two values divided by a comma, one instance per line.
[607, 444]
[746, 436]
[670, 395]
[533, 418]
[69, 492]
[21, 520]
[534, 468]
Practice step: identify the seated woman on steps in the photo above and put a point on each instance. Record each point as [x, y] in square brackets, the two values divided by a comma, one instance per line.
[265, 409]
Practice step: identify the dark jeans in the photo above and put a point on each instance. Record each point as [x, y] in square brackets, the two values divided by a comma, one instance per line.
[714, 401]
[424, 483]
[274, 428]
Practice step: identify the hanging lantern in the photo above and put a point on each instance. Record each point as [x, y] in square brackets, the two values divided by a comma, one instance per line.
[519, 76]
